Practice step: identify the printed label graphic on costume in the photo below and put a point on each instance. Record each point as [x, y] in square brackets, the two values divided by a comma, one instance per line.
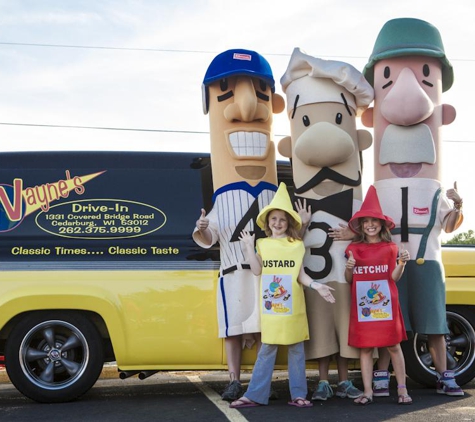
[277, 294]
[373, 301]
[420, 211]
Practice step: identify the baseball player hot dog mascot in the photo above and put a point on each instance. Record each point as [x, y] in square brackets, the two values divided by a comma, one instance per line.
[323, 98]
[409, 72]
[239, 94]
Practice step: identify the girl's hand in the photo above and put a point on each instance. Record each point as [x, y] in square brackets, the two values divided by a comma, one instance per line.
[323, 290]
[343, 232]
[247, 239]
[403, 255]
[304, 212]
[203, 222]
[351, 262]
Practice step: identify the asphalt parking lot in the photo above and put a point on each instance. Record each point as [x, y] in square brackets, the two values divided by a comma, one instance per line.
[195, 396]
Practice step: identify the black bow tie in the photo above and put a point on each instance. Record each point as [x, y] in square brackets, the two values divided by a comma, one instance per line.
[339, 205]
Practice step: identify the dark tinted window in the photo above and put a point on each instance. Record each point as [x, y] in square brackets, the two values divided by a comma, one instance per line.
[101, 205]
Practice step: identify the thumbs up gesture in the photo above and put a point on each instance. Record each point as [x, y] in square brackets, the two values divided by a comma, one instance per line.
[454, 196]
[403, 255]
[203, 222]
[351, 262]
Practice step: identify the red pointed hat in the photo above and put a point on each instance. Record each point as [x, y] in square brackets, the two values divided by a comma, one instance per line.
[370, 208]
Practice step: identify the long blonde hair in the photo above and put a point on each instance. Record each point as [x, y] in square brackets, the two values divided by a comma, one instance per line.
[384, 234]
[291, 232]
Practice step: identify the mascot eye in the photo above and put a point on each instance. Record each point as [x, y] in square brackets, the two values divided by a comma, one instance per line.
[338, 118]
[306, 121]
[223, 84]
[262, 85]
[426, 70]
[387, 72]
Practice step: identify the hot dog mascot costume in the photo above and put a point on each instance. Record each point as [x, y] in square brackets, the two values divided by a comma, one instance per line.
[409, 71]
[323, 98]
[239, 95]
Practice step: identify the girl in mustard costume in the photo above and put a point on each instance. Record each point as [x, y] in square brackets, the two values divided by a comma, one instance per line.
[375, 316]
[283, 315]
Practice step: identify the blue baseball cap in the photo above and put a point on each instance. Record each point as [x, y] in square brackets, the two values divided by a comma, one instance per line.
[236, 62]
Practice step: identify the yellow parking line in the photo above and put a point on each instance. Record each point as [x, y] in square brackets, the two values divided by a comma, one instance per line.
[233, 415]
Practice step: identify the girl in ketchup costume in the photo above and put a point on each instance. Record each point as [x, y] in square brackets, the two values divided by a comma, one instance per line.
[373, 268]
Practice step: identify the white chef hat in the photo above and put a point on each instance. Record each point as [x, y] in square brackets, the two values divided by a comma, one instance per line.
[316, 80]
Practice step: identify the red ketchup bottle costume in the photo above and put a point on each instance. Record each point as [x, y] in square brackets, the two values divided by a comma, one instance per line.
[375, 317]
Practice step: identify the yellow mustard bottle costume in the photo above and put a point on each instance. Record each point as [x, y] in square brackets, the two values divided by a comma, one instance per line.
[283, 312]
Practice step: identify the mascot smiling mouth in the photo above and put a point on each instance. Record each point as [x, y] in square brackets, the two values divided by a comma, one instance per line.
[250, 145]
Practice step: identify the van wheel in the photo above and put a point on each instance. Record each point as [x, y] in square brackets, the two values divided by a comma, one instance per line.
[460, 350]
[54, 357]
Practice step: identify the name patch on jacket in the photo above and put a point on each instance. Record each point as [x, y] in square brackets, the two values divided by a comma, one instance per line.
[421, 211]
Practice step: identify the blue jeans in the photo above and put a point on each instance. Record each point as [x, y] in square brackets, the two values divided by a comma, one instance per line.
[260, 384]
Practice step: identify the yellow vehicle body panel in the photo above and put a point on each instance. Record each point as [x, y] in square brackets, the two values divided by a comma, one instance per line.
[165, 317]
[459, 264]
[459, 261]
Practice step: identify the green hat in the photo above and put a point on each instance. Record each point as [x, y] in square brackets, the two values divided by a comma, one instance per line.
[281, 201]
[409, 37]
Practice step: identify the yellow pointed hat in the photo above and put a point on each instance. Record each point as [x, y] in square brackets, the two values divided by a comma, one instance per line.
[281, 201]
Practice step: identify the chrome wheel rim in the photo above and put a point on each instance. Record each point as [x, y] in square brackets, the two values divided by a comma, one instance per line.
[54, 354]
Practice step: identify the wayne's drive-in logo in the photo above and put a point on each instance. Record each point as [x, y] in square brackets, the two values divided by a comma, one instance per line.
[17, 201]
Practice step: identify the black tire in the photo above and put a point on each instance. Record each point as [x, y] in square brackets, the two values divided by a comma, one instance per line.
[460, 349]
[54, 357]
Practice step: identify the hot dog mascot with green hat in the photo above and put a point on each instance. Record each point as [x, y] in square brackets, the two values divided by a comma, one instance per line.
[409, 71]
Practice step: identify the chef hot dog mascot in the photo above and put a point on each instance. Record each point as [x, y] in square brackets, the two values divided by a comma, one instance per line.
[323, 98]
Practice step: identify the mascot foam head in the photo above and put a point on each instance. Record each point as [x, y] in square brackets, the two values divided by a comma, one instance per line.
[409, 71]
[239, 94]
[323, 97]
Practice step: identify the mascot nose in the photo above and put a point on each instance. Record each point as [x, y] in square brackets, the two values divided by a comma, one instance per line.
[407, 103]
[245, 102]
[324, 145]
